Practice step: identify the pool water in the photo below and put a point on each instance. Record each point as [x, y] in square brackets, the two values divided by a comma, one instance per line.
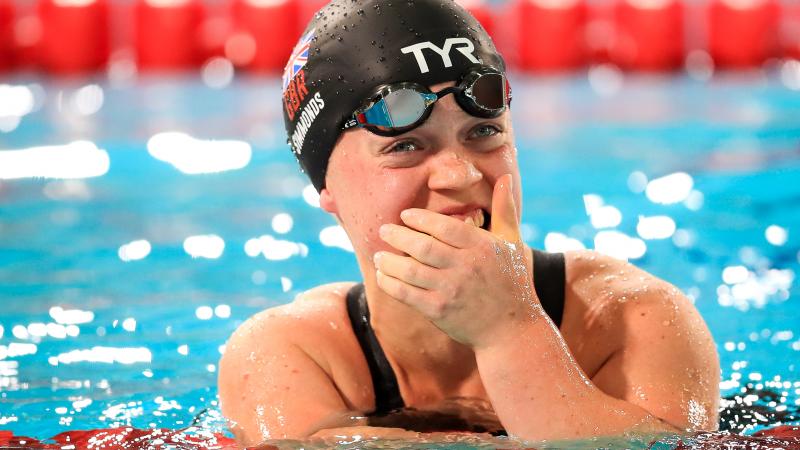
[118, 291]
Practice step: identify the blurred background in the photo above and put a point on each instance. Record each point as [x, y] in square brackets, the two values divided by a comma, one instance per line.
[125, 37]
[149, 203]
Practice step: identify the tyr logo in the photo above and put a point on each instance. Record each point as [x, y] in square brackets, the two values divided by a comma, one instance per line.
[463, 45]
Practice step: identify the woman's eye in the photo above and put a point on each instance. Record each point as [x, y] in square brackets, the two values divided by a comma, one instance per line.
[485, 130]
[403, 147]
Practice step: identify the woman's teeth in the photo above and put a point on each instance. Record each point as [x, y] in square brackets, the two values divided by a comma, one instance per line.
[475, 219]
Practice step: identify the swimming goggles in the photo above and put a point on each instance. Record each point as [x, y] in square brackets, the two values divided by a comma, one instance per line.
[397, 108]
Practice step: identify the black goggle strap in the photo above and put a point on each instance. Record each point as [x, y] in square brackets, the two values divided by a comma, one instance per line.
[455, 90]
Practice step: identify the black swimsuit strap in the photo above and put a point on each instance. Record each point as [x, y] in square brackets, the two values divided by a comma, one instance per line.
[384, 382]
[548, 280]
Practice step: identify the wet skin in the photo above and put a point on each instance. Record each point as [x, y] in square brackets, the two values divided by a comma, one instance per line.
[453, 307]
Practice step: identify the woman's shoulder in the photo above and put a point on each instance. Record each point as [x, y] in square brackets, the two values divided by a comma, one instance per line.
[593, 277]
[331, 294]
[316, 322]
[318, 309]
[606, 298]
[312, 331]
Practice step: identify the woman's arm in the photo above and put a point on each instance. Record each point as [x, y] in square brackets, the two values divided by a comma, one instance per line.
[269, 388]
[663, 377]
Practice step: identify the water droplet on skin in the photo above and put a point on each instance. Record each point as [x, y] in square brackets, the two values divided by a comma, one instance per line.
[381, 59]
[360, 12]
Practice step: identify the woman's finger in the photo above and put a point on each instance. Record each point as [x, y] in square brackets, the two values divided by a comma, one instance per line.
[412, 296]
[420, 246]
[451, 231]
[407, 269]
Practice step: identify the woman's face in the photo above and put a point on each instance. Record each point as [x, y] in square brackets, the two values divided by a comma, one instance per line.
[449, 164]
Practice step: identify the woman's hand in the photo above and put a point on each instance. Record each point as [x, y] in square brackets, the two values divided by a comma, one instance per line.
[471, 283]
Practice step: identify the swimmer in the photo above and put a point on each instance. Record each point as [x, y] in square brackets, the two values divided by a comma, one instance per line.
[398, 112]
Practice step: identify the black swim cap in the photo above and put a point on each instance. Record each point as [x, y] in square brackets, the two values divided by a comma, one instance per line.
[353, 46]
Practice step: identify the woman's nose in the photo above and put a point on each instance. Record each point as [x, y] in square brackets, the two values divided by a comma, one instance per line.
[452, 170]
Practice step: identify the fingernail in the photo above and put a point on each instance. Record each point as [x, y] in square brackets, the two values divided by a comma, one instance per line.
[383, 231]
[376, 258]
[407, 214]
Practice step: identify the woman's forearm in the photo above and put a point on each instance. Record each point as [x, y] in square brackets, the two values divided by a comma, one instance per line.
[539, 392]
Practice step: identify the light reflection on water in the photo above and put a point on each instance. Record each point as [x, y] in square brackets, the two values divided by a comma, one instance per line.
[79, 159]
[194, 156]
[119, 290]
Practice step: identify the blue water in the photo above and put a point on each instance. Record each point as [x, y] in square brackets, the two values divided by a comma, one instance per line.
[160, 321]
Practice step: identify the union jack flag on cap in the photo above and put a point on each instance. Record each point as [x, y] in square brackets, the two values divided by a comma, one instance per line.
[298, 59]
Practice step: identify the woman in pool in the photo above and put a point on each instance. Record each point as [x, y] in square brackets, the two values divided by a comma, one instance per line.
[455, 316]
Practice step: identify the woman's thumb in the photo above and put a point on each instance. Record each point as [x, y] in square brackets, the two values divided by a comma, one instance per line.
[504, 211]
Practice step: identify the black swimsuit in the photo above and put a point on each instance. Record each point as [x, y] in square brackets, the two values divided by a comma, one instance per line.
[548, 280]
